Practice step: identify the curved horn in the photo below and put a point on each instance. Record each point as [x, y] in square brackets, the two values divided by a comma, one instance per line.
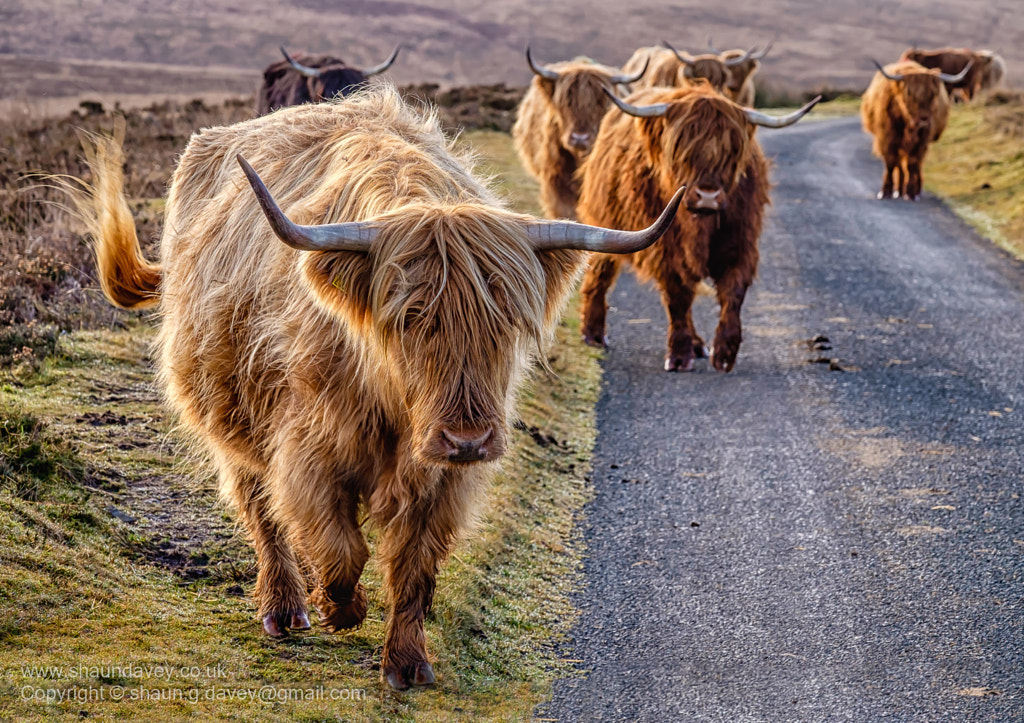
[640, 111]
[542, 72]
[771, 121]
[352, 236]
[740, 60]
[626, 79]
[890, 76]
[304, 69]
[763, 51]
[959, 76]
[682, 58]
[551, 235]
[383, 66]
[712, 48]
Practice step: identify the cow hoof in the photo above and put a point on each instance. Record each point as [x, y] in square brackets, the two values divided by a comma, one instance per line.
[598, 342]
[701, 351]
[417, 675]
[678, 364]
[276, 625]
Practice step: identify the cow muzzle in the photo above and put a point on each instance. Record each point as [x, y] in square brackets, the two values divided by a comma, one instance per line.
[581, 141]
[462, 445]
[703, 201]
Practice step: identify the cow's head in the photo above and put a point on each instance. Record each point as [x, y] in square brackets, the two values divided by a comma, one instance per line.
[698, 138]
[335, 78]
[708, 67]
[447, 304]
[920, 93]
[740, 64]
[575, 90]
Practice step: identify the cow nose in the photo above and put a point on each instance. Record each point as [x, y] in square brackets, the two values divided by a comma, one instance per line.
[580, 141]
[467, 445]
[707, 200]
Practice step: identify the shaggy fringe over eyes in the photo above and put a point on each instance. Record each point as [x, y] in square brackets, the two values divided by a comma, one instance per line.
[707, 134]
[482, 276]
[579, 95]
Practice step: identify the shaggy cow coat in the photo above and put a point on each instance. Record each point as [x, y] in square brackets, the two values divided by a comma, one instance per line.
[284, 86]
[323, 384]
[666, 70]
[951, 61]
[739, 86]
[903, 117]
[555, 128]
[705, 142]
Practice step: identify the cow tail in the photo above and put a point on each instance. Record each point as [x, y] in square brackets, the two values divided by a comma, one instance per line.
[127, 278]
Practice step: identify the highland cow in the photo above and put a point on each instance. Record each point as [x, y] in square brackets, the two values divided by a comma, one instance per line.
[363, 364]
[670, 68]
[962, 63]
[739, 85]
[905, 108]
[556, 125]
[317, 78]
[692, 136]
[995, 70]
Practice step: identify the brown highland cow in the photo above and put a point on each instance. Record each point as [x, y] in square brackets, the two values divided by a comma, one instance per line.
[666, 137]
[670, 68]
[367, 363]
[739, 85]
[967, 66]
[317, 78]
[556, 125]
[905, 108]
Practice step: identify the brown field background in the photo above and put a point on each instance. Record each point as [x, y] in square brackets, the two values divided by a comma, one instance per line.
[132, 49]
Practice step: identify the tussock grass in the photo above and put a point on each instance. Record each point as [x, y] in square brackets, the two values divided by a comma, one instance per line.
[117, 554]
[978, 167]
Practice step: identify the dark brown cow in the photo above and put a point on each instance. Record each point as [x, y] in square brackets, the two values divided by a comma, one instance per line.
[311, 79]
[905, 108]
[665, 138]
[557, 122]
[366, 366]
[953, 62]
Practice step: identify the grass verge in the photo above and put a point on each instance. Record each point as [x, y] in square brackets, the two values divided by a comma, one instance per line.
[124, 584]
[978, 168]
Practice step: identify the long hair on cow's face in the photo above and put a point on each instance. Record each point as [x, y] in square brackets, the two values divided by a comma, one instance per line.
[922, 91]
[707, 68]
[449, 305]
[703, 140]
[580, 103]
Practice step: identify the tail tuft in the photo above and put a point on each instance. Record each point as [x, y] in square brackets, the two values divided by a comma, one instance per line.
[128, 279]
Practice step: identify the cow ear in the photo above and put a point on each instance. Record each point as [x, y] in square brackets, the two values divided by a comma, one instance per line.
[340, 280]
[546, 86]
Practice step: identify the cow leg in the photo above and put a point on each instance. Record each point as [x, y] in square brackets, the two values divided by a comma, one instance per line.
[913, 187]
[413, 545]
[597, 282]
[732, 289]
[891, 157]
[280, 592]
[677, 296]
[322, 514]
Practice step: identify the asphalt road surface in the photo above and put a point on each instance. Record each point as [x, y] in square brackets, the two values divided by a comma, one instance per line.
[800, 541]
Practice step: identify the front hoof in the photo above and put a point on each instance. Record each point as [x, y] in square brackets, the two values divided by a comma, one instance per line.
[277, 624]
[725, 361]
[598, 341]
[675, 363]
[417, 675]
[701, 351]
[343, 614]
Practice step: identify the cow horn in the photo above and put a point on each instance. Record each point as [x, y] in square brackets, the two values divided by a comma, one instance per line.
[352, 236]
[383, 66]
[552, 235]
[683, 57]
[712, 48]
[959, 76]
[740, 60]
[895, 77]
[771, 121]
[763, 51]
[640, 111]
[304, 69]
[542, 72]
[626, 79]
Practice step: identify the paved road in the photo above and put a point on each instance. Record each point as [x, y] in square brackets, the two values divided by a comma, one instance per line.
[794, 543]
